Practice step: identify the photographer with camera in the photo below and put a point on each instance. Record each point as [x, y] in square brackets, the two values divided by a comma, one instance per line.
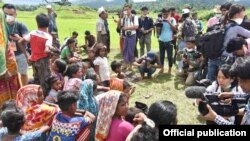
[129, 24]
[226, 83]
[165, 28]
[192, 62]
[148, 64]
[240, 69]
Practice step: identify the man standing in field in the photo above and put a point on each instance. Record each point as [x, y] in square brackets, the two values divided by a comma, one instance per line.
[102, 28]
[52, 19]
[15, 31]
[129, 24]
[146, 25]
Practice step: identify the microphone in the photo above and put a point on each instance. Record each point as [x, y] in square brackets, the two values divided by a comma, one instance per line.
[201, 92]
[195, 92]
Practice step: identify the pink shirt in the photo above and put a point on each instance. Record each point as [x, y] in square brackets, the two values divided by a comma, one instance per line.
[119, 130]
[212, 21]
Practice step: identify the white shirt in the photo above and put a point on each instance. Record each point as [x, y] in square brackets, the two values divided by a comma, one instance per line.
[217, 89]
[214, 88]
[103, 64]
[100, 27]
[129, 22]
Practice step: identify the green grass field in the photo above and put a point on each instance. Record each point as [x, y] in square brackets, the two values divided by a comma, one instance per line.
[163, 87]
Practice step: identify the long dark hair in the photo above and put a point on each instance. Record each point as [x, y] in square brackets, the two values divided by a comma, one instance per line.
[100, 47]
[225, 69]
[234, 9]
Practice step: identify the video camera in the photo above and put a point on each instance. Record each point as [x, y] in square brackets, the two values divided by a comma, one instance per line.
[159, 23]
[196, 54]
[214, 101]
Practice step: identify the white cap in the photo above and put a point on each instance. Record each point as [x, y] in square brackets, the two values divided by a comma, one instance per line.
[100, 10]
[185, 11]
[48, 6]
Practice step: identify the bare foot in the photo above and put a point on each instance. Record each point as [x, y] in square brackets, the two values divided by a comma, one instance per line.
[161, 71]
[169, 71]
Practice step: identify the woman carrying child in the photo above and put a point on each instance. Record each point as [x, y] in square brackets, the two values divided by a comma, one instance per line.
[37, 112]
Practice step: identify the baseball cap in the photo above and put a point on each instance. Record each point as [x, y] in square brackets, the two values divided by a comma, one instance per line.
[150, 56]
[185, 11]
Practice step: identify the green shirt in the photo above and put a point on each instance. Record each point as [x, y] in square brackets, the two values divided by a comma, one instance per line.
[65, 53]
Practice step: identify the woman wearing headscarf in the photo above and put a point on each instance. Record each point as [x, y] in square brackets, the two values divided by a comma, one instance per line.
[9, 82]
[37, 112]
[87, 101]
[110, 123]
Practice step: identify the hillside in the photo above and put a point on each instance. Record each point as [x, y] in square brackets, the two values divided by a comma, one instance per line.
[198, 4]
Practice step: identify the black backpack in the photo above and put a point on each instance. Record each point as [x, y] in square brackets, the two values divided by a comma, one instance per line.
[189, 29]
[211, 44]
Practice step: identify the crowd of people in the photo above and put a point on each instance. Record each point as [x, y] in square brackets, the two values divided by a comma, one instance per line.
[74, 98]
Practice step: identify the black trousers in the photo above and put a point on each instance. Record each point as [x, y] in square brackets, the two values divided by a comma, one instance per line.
[163, 47]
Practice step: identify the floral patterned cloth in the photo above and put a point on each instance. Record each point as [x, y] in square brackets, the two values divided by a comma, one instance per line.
[8, 86]
[36, 114]
[106, 112]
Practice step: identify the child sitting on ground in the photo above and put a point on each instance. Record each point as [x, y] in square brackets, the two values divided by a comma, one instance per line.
[89, 40]
[69, 124]
[85, 68]
[131, 115]
[117, 68]
[10, 104]
[55, 85]
[58, 68]
[90, 59]
[13, 119]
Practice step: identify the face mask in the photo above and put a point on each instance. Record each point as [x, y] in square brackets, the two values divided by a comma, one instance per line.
[218, 15]
[189, 50]
[227, 88]
[10, 19]
[125, 12]
[238, 21]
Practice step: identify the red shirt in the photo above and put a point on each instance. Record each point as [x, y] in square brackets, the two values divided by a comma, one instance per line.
[177, 18]
[38, 41]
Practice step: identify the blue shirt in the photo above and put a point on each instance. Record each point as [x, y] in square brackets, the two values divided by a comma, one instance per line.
[65, 128]
[147, 23]
[166, 31]
[31, 136]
